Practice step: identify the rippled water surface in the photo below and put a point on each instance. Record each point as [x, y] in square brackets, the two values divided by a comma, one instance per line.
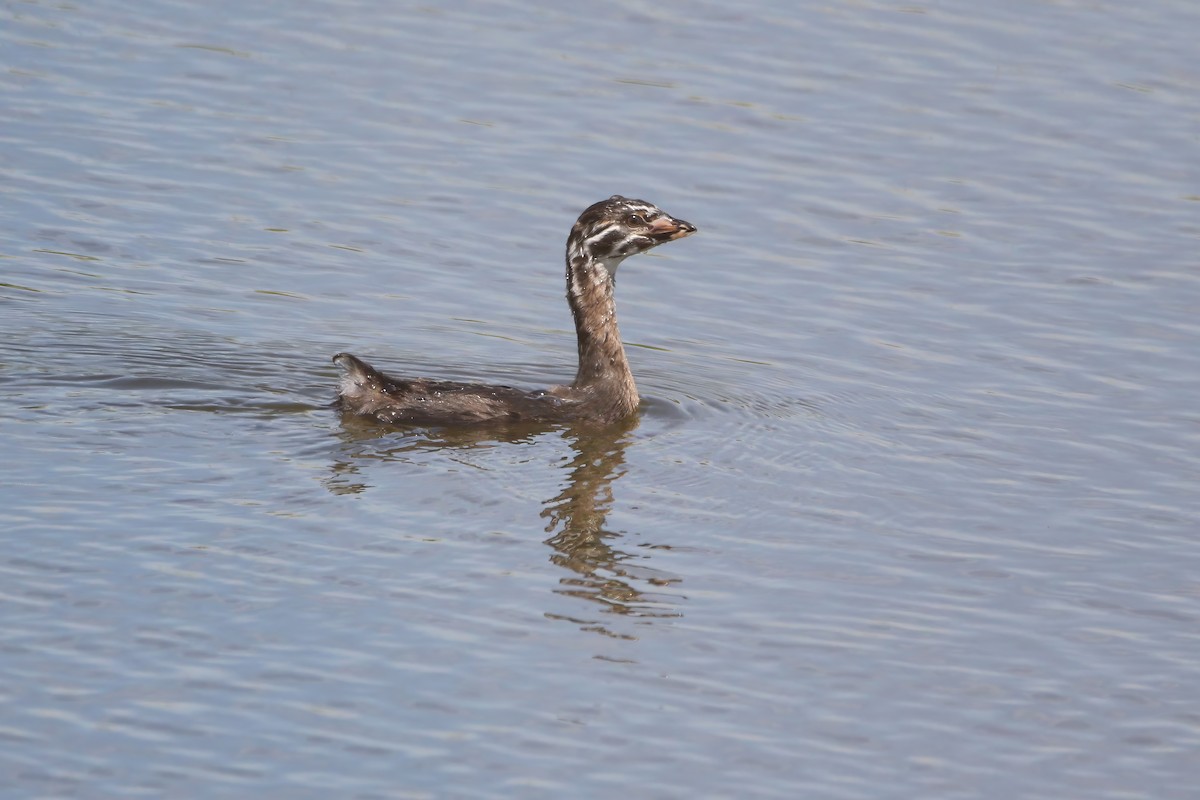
[910, 510]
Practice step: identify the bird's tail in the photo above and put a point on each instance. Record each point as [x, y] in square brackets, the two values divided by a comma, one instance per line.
[359, 378]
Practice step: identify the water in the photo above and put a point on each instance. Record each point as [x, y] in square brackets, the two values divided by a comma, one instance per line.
[910, 510]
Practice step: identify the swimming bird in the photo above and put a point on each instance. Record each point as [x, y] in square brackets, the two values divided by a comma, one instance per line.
[603, 391]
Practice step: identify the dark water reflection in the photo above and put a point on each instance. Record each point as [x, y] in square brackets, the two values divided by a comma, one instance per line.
[582, 543]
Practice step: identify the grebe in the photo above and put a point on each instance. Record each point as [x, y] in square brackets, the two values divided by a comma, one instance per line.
[603, 391]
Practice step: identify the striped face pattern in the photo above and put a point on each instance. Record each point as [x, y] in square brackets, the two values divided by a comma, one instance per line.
[610, 231]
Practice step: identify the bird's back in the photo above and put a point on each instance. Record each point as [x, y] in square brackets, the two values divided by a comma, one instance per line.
[367, 391]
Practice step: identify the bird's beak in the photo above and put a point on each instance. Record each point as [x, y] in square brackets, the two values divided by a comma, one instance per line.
[666, 229]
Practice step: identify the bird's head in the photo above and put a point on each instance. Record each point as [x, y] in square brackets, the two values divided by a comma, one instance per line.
[610, 231]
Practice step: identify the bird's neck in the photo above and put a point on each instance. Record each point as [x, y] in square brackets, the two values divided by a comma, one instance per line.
[603, 368]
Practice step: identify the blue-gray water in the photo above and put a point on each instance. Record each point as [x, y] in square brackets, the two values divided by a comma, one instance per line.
[911, 509]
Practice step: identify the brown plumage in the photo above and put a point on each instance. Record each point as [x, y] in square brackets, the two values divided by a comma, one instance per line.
[603, 390]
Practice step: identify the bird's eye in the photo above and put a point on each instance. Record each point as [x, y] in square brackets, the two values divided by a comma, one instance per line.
[635, 219]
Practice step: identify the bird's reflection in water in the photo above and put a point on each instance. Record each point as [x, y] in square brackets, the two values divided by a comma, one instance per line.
[584, 544]
[599, 569]
[366, 442]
